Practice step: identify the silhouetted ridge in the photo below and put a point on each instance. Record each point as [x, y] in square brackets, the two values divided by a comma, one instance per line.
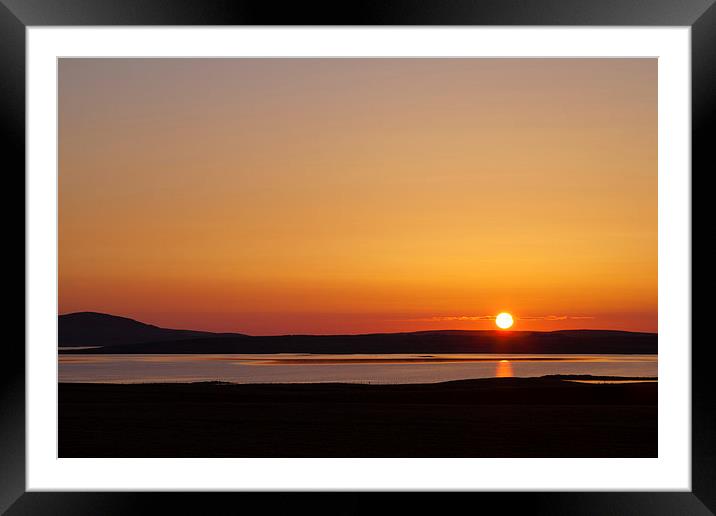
[122, 335]
[98, 329]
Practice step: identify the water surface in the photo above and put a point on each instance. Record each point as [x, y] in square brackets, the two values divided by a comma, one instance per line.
[315, 368]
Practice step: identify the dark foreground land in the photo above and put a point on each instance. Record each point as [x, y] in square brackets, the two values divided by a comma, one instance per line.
[509, 417]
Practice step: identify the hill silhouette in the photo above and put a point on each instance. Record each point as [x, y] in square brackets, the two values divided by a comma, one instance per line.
[98, 329]
[122, 335]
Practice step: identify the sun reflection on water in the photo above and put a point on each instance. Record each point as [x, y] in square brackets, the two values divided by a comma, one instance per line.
[504, 369]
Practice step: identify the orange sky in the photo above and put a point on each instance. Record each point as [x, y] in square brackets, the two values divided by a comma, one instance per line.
[275, 196]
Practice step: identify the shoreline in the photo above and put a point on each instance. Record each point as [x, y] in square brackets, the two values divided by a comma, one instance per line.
[560, 377]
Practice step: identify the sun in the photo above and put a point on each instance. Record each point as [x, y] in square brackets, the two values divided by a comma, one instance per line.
[504, 320]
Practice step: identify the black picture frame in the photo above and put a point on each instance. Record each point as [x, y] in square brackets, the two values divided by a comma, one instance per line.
[17, 15]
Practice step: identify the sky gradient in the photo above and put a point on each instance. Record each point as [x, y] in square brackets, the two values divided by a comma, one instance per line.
[273, 196]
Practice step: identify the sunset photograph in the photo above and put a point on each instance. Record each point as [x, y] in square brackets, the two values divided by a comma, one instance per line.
[357, 257]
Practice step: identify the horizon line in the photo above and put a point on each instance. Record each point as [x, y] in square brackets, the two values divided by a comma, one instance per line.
[492, 330]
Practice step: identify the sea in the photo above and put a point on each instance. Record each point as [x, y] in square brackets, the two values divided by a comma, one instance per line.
[342, 368]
